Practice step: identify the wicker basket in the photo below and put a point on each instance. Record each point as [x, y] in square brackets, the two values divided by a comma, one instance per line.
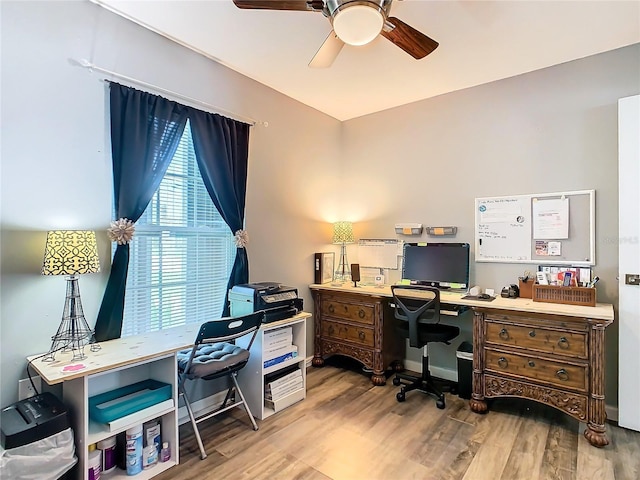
[569, 295]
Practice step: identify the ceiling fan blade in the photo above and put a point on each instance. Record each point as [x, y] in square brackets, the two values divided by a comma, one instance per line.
[416, 44]
[306, 5]
[328, 52]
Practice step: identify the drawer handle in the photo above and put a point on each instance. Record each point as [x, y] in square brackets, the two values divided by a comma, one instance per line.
[531, 363]
[331, 308]
[504, 334]
[361, 335]
[562, 374]
[563, 343]
[532, 333]
[331, 330]
[502, 362]
[361, 313]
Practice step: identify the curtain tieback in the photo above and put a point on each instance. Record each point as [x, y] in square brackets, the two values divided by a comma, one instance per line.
[241, 238]
[121, 231]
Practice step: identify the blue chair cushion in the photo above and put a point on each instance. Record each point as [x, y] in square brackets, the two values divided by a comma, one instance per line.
[212, 358]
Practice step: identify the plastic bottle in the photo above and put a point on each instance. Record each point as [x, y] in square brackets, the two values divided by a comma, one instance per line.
[108, 447]
[95, 457]
[165, 453]
[134, 450]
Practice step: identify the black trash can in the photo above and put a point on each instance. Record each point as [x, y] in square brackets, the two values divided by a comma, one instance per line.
[464, 356]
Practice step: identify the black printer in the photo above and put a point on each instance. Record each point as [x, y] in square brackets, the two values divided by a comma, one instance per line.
[277, 300]
[32, 419]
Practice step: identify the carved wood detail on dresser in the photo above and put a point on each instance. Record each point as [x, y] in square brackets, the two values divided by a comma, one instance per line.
[354, 325]
[553, 359]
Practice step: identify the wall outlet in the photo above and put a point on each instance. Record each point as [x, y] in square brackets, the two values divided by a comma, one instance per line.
[25, 389]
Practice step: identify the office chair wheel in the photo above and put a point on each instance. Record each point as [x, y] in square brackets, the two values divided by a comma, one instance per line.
[396, 381]
[440, 403]
[400, 396]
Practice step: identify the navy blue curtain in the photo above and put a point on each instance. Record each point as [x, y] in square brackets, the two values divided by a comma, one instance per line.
[222, 151]
[145, 132]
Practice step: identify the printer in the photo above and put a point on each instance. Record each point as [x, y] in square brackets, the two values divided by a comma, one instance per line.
[278, 301]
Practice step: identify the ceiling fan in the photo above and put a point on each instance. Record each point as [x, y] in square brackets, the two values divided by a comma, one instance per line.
[355, 22]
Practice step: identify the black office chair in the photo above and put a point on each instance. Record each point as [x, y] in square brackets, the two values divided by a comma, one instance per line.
[418, 310]
[214, 355]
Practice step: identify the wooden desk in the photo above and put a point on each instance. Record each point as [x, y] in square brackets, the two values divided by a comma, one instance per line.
[547, 352]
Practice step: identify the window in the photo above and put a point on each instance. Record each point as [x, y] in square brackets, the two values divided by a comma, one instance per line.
[182, 253]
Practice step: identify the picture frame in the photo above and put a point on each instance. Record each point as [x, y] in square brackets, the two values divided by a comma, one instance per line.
[324, 266]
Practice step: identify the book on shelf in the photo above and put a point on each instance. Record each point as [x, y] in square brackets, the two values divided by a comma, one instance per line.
[268, 355]
[282, 358]
[271, 336]
[293, 383]
[277, 343]
[280, 377]
[277, 395]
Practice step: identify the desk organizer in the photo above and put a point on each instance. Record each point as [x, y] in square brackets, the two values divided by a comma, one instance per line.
[109, 406]
[568, 295]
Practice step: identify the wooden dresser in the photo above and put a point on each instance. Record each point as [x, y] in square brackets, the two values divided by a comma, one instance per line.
[553, 359]
[353, 324]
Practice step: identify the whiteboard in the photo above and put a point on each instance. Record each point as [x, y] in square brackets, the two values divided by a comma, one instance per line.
[379, 253]
[549, 228]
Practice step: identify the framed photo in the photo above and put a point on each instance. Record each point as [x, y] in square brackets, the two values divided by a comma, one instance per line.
[323, 268]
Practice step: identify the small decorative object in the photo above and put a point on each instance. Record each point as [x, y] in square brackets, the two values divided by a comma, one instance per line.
[343, 234]
[241, 238]
[323, 268]
[121, 231]
[71, 252]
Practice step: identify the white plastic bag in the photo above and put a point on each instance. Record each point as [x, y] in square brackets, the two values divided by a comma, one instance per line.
[46, 459]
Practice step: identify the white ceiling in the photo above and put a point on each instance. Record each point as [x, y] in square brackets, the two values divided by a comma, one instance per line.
[480, 42]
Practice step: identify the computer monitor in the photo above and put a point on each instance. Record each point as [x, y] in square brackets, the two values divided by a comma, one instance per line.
[440, 265]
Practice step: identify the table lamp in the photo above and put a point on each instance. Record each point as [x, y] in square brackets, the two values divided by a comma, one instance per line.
[71, 252]
[343, 234]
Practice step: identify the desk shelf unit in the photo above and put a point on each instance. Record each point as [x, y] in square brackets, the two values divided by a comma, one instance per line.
[119, 363]
[252, 377]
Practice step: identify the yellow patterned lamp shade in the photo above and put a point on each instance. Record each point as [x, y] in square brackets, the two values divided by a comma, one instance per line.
[70, 252]
[343, 232]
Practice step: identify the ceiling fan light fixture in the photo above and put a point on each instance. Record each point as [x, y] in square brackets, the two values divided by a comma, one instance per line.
[358, 24]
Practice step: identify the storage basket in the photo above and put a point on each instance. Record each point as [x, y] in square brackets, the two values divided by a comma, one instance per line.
[568, 295]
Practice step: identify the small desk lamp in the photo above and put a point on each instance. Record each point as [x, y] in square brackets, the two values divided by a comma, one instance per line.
[343, 234]
[71, 252]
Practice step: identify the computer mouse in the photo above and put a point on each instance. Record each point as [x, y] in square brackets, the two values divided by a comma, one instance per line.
[484, 296]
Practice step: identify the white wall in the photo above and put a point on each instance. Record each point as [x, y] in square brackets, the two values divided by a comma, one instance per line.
[56, 167]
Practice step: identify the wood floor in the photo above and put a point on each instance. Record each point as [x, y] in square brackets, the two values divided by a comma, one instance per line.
[346, 429]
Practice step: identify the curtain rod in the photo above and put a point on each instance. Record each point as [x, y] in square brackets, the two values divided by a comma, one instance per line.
[91, 67]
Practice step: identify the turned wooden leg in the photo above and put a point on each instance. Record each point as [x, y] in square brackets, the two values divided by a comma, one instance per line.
[596, 414]
[477, 403]
[378, 379]
[317, 361]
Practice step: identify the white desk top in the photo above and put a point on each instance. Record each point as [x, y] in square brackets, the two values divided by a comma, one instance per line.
[123, 351]
[602, 311]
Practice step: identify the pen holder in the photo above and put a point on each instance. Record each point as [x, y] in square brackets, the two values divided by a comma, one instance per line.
[526, 288]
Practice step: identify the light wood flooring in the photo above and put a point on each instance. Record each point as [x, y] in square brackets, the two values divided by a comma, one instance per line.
[347, 429]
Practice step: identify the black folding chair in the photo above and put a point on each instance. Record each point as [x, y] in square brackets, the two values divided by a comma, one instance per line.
[214, 355]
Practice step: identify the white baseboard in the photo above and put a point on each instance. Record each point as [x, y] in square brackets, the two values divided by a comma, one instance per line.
[452, 375]
[201, 407]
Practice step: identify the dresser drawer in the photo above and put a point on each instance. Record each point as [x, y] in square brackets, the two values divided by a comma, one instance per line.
[348, 311]
[527, 367]
[350, 333]
[573, 344]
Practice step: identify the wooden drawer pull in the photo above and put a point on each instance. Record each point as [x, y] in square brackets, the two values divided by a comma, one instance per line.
[331, 330]
[502, 362]
[563, 343]
[361, 313]
[532, 333]
[562, 374]
[361, 336]
[531, 363]
[504, 334]
[331, 308]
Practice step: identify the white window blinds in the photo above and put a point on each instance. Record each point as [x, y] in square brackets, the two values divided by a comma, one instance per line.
[181, 254]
